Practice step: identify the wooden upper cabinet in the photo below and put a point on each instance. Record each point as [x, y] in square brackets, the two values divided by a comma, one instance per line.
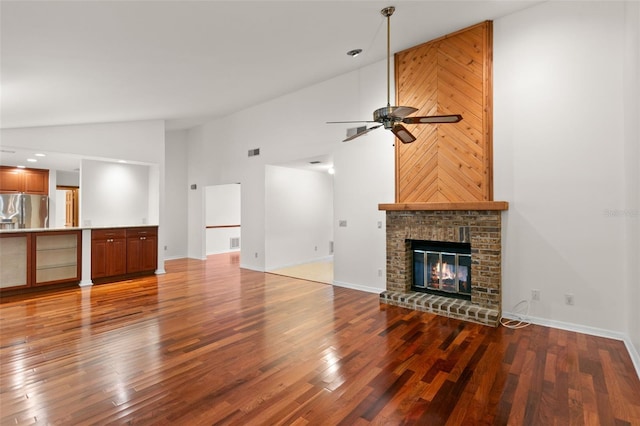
[30, 181]
[36, 182]
[11, 179]
[449, 75]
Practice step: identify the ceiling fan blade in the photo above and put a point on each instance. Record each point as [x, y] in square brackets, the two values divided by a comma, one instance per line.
[401, 111]
[402, 133]
[361, 133]
[454, 118]
[347, 122]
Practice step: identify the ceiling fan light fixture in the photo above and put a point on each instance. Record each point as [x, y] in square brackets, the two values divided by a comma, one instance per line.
[355, 52]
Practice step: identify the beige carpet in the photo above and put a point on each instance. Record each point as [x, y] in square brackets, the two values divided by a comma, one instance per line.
[316, 271]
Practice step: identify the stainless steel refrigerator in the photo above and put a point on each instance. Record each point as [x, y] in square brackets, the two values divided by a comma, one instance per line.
[19, 211]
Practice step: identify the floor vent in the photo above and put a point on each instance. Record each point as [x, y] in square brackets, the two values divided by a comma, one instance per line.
[234, 242]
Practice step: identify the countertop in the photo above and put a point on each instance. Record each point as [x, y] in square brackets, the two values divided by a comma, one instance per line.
[23, 230]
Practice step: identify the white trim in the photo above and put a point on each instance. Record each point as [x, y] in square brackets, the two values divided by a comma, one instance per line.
[358, 287]
[223, 251]
[85, 283]
[593, 331]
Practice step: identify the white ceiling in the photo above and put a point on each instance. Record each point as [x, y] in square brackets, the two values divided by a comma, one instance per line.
[186, 62]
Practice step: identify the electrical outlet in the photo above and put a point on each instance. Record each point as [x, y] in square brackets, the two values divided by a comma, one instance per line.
[568, 299]
[342, 223]
[379, 272]
[535, 295]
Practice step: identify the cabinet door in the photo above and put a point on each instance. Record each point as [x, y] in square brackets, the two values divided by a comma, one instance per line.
[15, 271]
[108, 257]
[134, 251]
[36, 182]
[142, 249]
[116, 257]
[149, 255]
[11, 180]
[98, 258]
[57, 257]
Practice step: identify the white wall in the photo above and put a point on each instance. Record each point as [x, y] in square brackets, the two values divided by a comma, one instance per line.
[176, 194]
[298, 216]
[220, 148]
[114, 194]
[559, 157]
[222, 209]
[60, 196]
[64, 178]
[632, 169]
[196, 242]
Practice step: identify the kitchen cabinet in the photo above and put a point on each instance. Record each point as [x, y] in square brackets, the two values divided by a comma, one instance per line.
[118, 253]
[15, 270]
[142, 249]
[108, 253]
[57, 257]
[34, 259]
[30, 181]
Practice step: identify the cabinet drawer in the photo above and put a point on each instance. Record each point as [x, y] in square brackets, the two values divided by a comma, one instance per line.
[142, 232]
[101, 234]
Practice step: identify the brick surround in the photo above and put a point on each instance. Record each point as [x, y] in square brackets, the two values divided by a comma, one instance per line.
[480, 228]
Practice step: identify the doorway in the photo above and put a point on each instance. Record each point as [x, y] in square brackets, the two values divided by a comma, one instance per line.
[67, 202]
[299, 220]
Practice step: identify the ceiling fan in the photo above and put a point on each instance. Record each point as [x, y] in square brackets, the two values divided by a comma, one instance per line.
[392, 117]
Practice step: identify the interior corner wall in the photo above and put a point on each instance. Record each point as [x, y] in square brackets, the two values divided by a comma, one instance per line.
[632, 168]
[176, 185]
[196, 164]
[559, 153]
[298, 216]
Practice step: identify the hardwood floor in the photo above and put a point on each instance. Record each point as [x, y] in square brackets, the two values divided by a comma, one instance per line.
[209, 343]
[321, 271]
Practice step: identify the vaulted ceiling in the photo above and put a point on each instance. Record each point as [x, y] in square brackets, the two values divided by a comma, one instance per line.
[186, 62]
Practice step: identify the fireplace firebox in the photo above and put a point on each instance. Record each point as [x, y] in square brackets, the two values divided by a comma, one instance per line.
[442, 268]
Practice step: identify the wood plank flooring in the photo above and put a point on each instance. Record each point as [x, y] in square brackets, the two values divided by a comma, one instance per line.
[210, 343]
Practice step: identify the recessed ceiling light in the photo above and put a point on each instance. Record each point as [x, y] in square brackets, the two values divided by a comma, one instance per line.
[331, 171]
[355, 52]
[122, 161]
[32, 160]
[38, 154]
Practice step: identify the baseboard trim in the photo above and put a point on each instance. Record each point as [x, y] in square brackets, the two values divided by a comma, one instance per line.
[358, 287]
[578, 328]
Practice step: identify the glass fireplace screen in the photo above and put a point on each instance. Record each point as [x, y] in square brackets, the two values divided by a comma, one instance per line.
[442, 271]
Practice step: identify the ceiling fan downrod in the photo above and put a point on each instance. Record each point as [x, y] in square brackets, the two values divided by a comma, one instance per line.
[387, 12]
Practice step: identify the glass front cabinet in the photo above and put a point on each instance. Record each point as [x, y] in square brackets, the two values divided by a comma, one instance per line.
[30, 259]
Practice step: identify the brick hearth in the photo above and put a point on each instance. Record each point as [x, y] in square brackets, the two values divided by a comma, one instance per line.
[480, 228]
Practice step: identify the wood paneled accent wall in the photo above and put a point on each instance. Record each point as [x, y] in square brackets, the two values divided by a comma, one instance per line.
[449, 75]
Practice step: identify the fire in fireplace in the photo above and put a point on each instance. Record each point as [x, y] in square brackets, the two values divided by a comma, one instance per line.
[442, 268]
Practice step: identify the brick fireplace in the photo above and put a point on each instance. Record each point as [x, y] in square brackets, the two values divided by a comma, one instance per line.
[479, 225]
[444, 182]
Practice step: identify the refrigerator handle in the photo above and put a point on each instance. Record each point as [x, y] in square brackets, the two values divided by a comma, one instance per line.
[23, 211]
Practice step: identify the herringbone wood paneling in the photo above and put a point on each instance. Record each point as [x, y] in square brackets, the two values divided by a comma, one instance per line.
[450, 75]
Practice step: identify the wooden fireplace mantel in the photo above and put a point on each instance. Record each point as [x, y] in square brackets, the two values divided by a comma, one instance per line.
[469, 205]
